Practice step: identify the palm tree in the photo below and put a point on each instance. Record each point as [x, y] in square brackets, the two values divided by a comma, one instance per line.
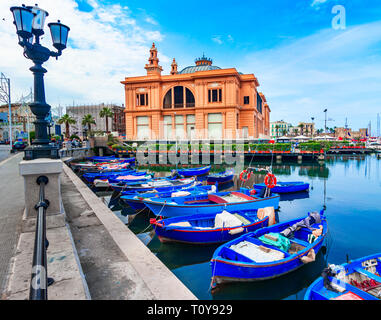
[67, 120]
[88, 120]
[106, 113]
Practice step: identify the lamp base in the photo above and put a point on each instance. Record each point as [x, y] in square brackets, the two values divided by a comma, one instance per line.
[41, 151]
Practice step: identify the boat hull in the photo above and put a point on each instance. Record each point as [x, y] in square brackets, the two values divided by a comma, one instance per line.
[230, 270]
[213, 180]
[317, 291]
[194, 171]
[289, 188]
[191, 235]
[171, 210]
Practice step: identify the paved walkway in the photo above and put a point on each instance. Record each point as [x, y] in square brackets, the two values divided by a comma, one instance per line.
[11, 211]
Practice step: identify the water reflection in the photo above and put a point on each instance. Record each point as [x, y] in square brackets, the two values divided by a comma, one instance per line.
[347, 186]
[291, 285]
[176, 255]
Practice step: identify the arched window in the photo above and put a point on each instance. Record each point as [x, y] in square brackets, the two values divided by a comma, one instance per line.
[179, 97]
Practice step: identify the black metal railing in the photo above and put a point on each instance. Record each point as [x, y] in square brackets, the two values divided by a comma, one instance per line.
[39, 280]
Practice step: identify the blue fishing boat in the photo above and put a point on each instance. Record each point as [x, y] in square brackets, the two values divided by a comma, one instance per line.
[136, 200]
[221, 177]
[243, 199]
[270, 252]
[208, 228]
[158, 185]
[285, 187]
[190, 172]
[110, 159]
[357, 280]
[91, 176]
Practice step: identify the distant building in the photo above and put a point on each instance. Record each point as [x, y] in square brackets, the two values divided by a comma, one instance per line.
[349, 134]
[306, 128]
[115, 123]
[279, 128]
[201, 101]
[22, 121]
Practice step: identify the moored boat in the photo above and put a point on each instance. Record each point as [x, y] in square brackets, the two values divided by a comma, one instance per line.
[136, 200]
[221, 177]
[208, 228]
[359, 279]
[285, 187]
[158, 185]
[190, 172]
[91, 176]
[269, 252]
[243, 199]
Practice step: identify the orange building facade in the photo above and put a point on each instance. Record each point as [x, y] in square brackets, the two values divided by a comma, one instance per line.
[199, 102]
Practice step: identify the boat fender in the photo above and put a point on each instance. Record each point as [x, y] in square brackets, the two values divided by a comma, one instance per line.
[241, 176]
[236, 230]
[310, 257]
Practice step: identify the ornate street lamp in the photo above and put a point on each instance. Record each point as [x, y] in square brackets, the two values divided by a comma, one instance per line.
[29, 22]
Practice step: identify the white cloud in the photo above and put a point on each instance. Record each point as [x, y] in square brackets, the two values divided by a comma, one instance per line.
[317, 3]
[151, 21]
[323, 70]
[217, 39]
[105, 45]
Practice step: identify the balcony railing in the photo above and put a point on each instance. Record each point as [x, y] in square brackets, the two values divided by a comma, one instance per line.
[179, 105]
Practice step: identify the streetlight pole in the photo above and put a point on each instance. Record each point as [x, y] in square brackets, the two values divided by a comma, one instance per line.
[29, 23]
[325, 123]
[312, 127]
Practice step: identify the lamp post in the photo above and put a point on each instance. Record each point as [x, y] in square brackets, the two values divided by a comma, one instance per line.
[312, 127]
[29, 23]
[325, 124]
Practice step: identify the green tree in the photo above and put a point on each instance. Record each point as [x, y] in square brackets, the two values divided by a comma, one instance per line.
[67, 120]
[106, 113]
[88, 120]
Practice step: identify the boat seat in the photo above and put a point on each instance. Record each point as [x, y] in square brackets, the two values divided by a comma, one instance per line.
[216, 199]
[300, 242]
[368, 274]
[257, 253]
[242, 195]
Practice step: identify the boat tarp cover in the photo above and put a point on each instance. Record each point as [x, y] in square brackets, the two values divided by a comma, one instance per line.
[243, 220]
[227, 220]
[276, 240]
[313, 218]
[255, 253]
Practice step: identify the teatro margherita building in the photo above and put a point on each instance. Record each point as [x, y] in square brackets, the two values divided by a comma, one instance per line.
[201, 101]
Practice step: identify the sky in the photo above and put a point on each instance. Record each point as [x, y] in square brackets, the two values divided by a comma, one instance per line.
[308, 55]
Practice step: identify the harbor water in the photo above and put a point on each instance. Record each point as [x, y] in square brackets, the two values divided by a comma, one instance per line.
[347, 186]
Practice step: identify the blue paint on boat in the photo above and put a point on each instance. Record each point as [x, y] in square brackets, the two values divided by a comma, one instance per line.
[109, 159]
[353, 269]
[168, 185]
[206, 203]
[135, 200]
[227, 265]
[194, 171]
[202, 230]
[221, 177]
[91, 176]
[285, 187]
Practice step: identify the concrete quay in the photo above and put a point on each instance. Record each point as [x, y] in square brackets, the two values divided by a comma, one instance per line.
[91, 253]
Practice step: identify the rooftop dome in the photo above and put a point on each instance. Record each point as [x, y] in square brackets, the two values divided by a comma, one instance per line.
[192, 69]
[202, 64]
